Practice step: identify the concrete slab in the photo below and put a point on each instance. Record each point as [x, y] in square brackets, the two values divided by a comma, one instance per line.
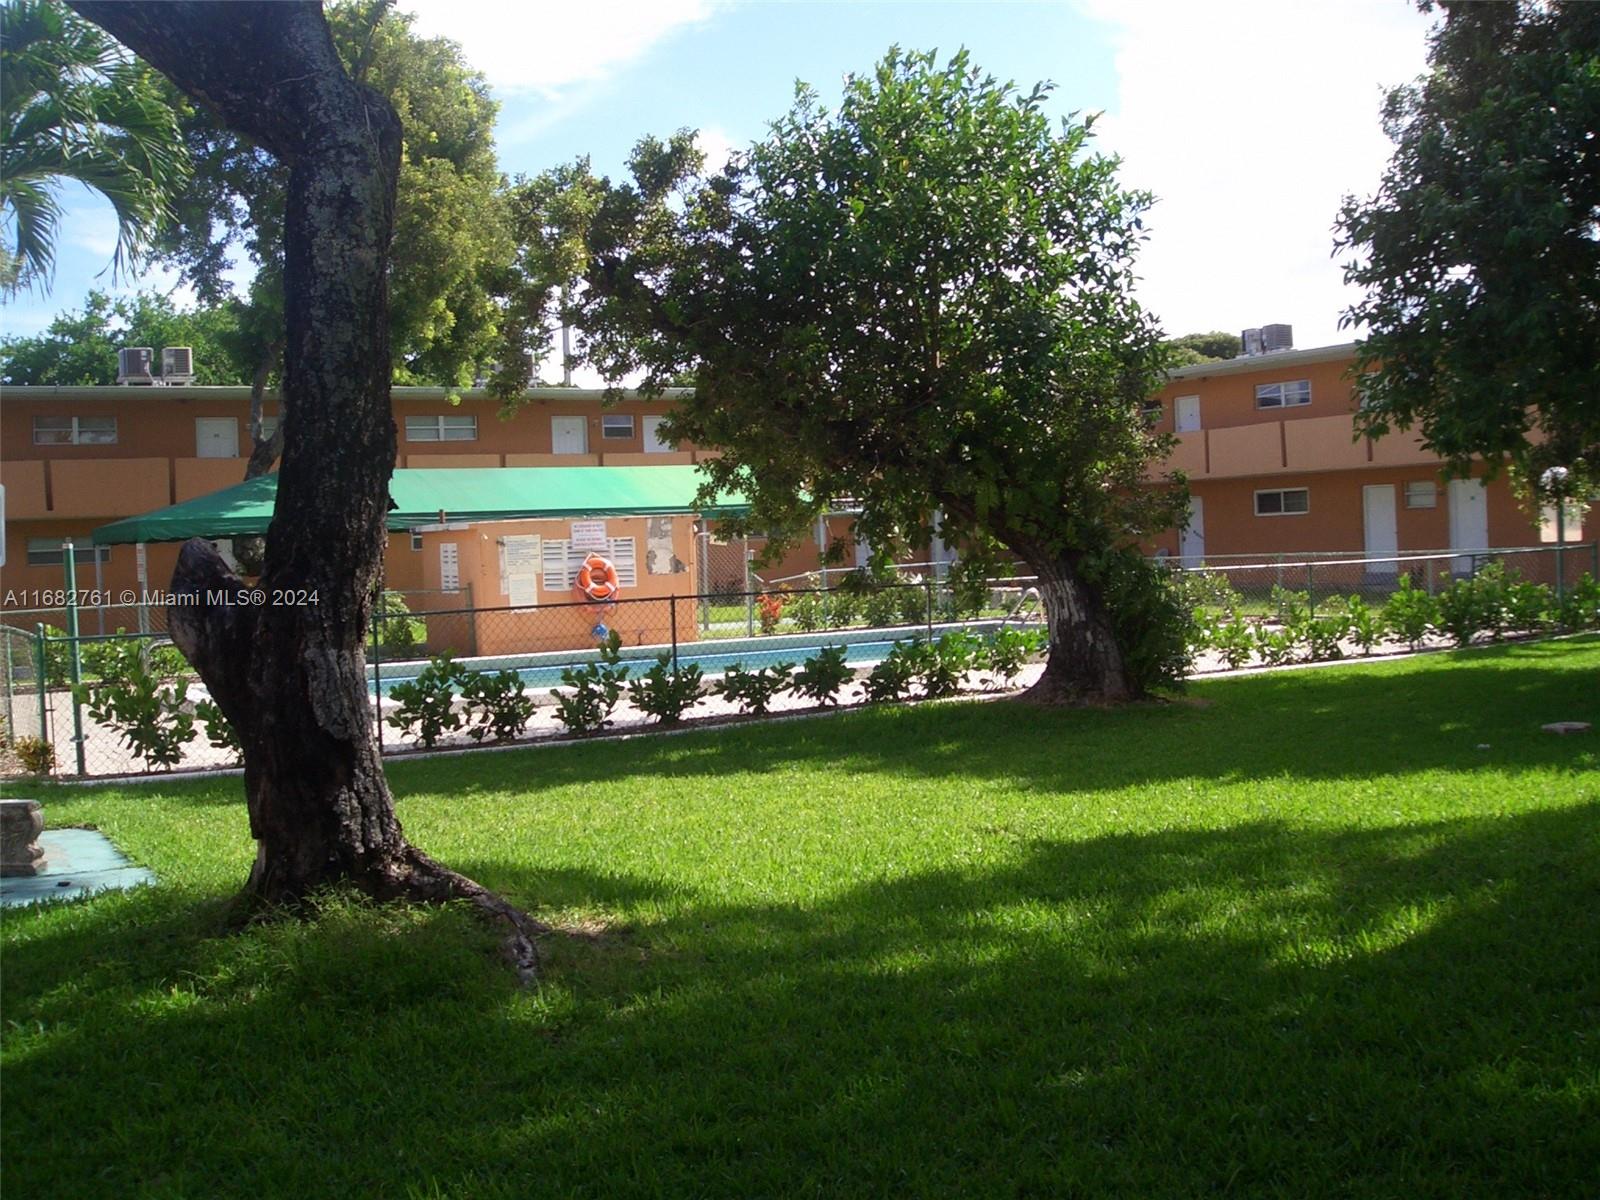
[77, 862]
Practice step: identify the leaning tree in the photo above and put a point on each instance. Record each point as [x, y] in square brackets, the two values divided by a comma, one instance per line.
[285, 660]
[924, 302]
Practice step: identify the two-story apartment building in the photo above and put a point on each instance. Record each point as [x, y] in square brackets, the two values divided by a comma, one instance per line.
[1268, 443]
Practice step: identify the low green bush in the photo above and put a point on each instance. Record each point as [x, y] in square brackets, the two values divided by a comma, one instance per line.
[822, 676]
[37, 756]
[1410, 613]
[220, 733]
[150, 715]
[397, 631]
[596, 688]
[666, 693]
[1234, 640]
[754, 691]
[893, 677]
[1365, 625]
[1006, 651]
[1580, 607]
[425, 707]
[497, 704]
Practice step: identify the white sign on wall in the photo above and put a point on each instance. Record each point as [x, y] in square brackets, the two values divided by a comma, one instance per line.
[590, 535]
[521, 561]
[449, 567]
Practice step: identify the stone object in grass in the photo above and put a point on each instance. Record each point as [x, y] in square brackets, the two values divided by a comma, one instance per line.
[21, 823]
[1566, 727]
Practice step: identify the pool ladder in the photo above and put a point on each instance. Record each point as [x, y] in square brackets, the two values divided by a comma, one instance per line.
[1026, 608]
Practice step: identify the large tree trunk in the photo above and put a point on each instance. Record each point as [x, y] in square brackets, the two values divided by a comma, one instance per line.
[285, 661]
[1085, 664]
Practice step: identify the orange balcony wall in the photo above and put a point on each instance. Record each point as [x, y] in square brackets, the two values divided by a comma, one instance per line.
[552, 460]
[611, 458]
[441, 461]
[1323, 444]
[1189, 455]
[25, 494]
[113, 487]
[1246, 450]
[193, 477]
[1400, 448]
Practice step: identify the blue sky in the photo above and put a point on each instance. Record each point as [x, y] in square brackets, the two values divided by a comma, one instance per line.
[1248, 118]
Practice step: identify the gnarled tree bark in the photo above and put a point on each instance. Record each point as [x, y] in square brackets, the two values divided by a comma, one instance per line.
[285, 660]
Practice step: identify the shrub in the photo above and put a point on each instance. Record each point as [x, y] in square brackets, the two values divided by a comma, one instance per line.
[754, 691]
[911, 603]
[397, 630]
[1366, 626]
[596, 688]
[1276, 646]
[839, 609]
[1462, 611]
[428, 701]
[37, 756]
[1234, 640]
[497, 704]
[1529, 606]
[1322, 635]
[1580, 607]
[151, 718]
[666, 694]
[947, 662]
[1410, 613]
[1007, 649]
[220, 733]
[1288, 606]
[167, 661]
[893, 677]
[822, 676]
[769, 611]
[1149, 617]
[807, 611]
[882, 607]
[967, 587]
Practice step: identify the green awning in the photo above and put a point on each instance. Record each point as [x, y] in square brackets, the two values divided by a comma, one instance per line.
[461, 494]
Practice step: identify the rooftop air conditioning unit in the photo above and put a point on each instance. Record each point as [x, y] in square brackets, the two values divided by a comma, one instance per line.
[1277, 337]
[177, 364]
[1252, 342]
[134, 363]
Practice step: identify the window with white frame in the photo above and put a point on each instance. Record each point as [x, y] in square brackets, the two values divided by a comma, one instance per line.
[1422, 493]
[269, 426]
[47, 552]
[74, 431]
[453, 427]
[561, 561]
[1283, 395]
[1570, 514]
[416, 540]
[1283, 502]
[616, 427]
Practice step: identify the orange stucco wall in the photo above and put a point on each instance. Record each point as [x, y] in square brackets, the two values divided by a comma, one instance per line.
[1229, 400]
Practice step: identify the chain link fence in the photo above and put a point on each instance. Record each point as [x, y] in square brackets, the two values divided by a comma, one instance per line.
[444, 673]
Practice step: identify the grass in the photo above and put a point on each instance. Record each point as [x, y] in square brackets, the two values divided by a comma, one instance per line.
[1325, 932]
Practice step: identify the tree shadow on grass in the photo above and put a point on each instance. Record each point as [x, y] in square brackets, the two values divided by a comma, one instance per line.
[1265, 1010]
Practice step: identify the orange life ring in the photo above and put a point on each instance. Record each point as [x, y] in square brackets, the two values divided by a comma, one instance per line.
[597, 578]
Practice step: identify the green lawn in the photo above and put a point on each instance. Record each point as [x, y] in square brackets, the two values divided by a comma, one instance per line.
[1323, 932]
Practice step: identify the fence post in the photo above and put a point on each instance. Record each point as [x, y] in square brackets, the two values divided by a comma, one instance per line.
[749, 596]
[377, 667]
[927, 584]
[1311, 591]
[674, 603]
[1430, 576]
[41, 671]
[1561, 573]
[69, 557]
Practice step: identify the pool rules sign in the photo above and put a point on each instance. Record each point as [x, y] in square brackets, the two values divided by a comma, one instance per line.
[521, 560]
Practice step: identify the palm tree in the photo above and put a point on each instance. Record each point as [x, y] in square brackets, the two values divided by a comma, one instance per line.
[74, 105]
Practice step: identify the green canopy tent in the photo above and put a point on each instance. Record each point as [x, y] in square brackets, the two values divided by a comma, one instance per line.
[427, 497]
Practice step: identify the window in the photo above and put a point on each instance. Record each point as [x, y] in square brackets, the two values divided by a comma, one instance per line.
[74, 431]
[46, 552]
[442, 429]
[269, 426]
[1283, 395]
[616, 426]
[1283, 502]
[416, 540]
[1422, 493]
[1152, 412]
[1571, 515]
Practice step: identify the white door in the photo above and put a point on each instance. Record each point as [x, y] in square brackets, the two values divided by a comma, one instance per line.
[1469, 520]
[1379, 523]
[1187, 411]
[569, 435]
[1192, 539]
[216, 437]
[654, 443]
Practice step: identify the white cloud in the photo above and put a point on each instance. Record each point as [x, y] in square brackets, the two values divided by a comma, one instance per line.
[717, 146]
[546, 49]
[1250, 121]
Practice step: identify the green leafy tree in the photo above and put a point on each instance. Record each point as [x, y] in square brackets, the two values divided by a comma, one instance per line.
[922, 301]
[1194, 348]
[451, 246]
[81, 347]
[1479, 253]
[75, 106]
